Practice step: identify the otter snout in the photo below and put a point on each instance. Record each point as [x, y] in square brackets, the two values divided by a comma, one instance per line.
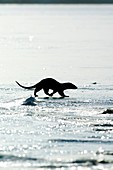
[76, 87]
[72, 86]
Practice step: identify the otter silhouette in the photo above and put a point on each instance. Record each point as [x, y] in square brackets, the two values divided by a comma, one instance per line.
[50, 83]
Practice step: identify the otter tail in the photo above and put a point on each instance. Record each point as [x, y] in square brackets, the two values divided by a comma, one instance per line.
[30, 87]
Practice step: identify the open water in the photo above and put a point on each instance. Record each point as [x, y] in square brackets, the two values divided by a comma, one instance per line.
[69, 43]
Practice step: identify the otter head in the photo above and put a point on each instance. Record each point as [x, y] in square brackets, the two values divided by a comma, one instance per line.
[69, 86]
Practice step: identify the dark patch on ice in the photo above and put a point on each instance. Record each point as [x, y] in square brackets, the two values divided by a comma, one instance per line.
[94, 83]
[104, 125]
[104, 153]
[103, 130]
[91, 162]
[81, 141]
[108, 111]
[52, 164]
[68, 164]
[31, 101]
[4, 157]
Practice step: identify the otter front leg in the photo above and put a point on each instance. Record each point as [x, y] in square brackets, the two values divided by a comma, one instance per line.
[61, 93]
[46, 90]
[36, 90]
[54, 91]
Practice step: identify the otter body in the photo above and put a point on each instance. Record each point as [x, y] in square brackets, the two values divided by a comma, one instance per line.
[50, 83]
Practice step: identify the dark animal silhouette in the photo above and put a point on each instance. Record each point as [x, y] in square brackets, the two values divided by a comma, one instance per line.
[50, 83]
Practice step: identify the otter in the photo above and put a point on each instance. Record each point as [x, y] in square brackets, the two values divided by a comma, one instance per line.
[50, 83]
